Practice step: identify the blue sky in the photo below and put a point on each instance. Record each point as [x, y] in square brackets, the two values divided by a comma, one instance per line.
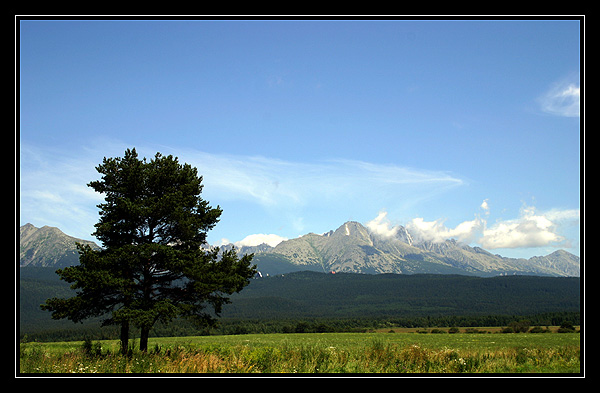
[463, 129]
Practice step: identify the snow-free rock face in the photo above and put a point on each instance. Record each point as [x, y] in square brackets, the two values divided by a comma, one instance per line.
[47, 247]
[354, 248]
[560, 261]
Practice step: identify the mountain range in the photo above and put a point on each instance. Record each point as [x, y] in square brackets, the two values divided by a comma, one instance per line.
[354, 248]
[350, 248]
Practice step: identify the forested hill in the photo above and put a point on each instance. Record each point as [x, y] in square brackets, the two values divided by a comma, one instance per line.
[312, 294]
[308, 294]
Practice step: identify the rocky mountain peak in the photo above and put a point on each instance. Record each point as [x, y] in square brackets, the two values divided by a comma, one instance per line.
[47, 246]
[352, 229]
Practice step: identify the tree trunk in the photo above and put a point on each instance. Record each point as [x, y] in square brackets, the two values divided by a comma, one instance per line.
[124, 337]
[145, 332]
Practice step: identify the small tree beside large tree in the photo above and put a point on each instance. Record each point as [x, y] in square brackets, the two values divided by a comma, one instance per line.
[152, 265]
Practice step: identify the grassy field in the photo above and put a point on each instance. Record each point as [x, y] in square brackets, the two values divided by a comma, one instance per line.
[400, 352]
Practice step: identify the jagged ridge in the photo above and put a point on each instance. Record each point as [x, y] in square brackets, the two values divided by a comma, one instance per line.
[350, 248]
[353, 248]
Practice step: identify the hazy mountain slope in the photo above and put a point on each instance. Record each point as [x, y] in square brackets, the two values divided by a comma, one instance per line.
[47, 246]
[305, 250]
[560, 261]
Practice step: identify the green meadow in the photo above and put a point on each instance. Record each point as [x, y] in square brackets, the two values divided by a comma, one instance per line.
[389, 352]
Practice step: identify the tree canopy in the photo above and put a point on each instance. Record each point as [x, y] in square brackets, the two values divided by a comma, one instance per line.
[154, 264]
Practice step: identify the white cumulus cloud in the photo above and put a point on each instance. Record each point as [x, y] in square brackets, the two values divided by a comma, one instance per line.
[436, 231]
[381, 226]
[485, 206]
[531, 229]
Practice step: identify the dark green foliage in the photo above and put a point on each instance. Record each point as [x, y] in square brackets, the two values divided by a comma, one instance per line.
[90, 348]
[343, 295]
[539, 329]
[521, 326]
[152, 267]
[343, 302]
[566, 327]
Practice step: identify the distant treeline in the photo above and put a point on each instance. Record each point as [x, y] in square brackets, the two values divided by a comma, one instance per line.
[182, 328]
[322, 325]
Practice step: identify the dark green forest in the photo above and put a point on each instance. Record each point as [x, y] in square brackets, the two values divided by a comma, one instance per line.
[312, 294]
[319, 302]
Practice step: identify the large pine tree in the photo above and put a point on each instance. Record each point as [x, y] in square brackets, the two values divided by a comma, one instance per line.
[152, 266]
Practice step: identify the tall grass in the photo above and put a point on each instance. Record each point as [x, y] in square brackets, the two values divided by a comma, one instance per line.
[374, 356]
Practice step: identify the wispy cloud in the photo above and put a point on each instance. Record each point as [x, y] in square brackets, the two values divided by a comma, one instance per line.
[54, 191]
[274, 183]
[562, 99]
